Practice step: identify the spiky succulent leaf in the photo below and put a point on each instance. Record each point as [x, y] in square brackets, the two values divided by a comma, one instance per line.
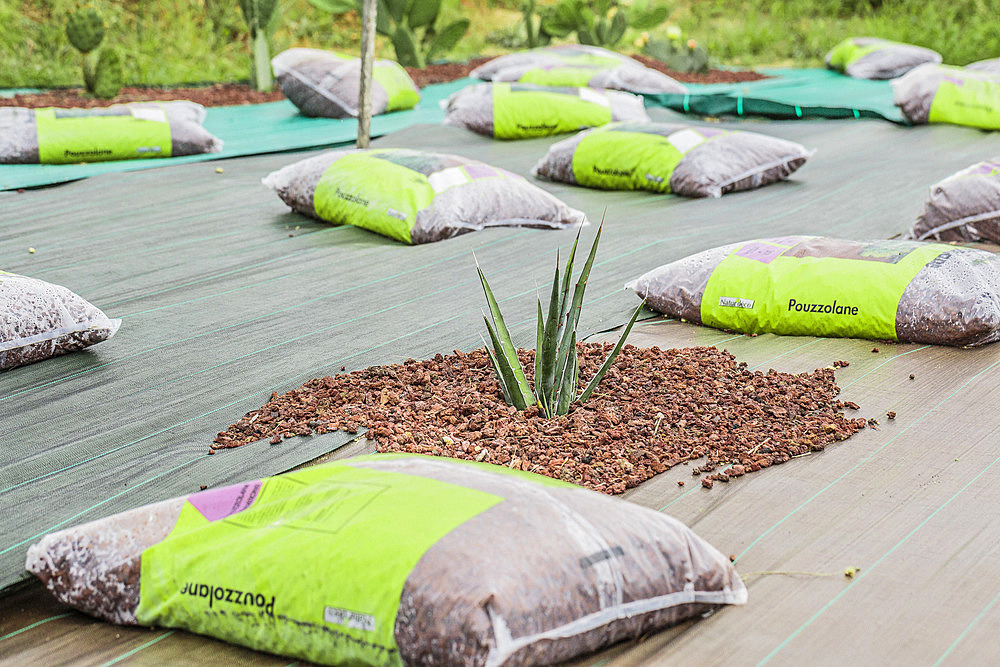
[496, 369]
[539, 342]
[506, 351]
[85, 29]
[506, 372]
[596, 380]
[573, 316]
[446, 40]
[567, 389]
[545, 383]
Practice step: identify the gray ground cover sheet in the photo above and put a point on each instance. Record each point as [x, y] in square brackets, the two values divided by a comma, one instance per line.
[226, 296]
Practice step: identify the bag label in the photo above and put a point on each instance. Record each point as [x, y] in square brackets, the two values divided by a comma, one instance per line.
[735, 302]
[965, 99]
[814, 286]
[67, 136]
[349, 619]
[635, 156]
[520, 112]
[257, 576]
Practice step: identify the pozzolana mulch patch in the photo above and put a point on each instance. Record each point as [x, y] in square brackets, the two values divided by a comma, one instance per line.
[654, 409]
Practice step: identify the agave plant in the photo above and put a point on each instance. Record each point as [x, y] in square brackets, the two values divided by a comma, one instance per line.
[557, 369]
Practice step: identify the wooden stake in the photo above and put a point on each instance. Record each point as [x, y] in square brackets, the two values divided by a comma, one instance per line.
[367, 57]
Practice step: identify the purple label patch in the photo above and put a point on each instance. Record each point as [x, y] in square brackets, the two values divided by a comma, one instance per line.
[708, 132]
[217, 504]
[480, 171]
[762, 252]
[784, 240]
[984, 168]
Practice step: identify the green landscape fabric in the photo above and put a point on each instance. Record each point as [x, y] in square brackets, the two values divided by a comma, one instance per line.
[250, 129]
[791, 94]
[225, 296]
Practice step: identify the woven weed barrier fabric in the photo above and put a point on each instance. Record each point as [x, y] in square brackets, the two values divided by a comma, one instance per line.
[226, 296]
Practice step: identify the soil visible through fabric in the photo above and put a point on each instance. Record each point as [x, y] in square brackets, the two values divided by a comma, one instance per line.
[228, 94]
[655, 409]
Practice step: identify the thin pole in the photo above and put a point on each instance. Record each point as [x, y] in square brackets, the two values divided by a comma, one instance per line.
[367, 57]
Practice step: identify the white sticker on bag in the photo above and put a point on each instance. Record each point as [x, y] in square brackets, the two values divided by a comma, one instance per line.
[446, 178]
[685, 140]
[591, 95]
[733, 302]
[149, 114]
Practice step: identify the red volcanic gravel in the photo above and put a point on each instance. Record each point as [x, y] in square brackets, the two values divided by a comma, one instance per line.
[654, 410]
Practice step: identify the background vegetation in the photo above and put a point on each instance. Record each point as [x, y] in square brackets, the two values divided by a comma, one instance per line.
[180, 41]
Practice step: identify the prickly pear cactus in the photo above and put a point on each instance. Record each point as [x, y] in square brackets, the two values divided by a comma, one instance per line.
[85, 29]
[108, 75]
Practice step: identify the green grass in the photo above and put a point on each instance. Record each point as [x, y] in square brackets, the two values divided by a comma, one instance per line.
[178, 41]
[756, 32]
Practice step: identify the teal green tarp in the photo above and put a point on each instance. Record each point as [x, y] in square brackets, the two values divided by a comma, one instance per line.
[251, 129]
[790, 94]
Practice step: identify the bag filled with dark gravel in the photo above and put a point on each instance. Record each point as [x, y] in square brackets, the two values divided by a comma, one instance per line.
[119, 132]
[815, 286]
[989, 65]
[39, 320]
[963, 207]
[944, 94]
[416, 197]
[874, 58]
[670, 157]
[523, 111]
[577, 65]
[326, 84]
[394, 559]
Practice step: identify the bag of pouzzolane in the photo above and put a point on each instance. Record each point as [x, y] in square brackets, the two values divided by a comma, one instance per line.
[522, 111]
[39, 320]
[963, 207]
[815, 286]
[874, 58]
[943, 94]
[120, 132]
[415, 196]
[390, 560]
[327, 84]
[577, 65]
[670, 157]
